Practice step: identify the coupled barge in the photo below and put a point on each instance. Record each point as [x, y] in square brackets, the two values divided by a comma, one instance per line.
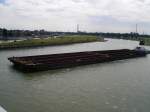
[65, 60]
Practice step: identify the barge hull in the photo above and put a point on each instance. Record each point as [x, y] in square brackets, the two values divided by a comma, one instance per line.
[66, 60]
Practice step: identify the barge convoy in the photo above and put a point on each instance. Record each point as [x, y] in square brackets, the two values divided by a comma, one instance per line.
[65, 60]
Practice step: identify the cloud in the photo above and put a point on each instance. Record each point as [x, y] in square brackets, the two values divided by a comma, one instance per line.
[92, 15]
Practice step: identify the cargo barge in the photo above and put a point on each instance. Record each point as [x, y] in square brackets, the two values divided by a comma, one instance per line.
[65, 60]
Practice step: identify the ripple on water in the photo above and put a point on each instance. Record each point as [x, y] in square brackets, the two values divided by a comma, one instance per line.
[107, 103]
[115, 107]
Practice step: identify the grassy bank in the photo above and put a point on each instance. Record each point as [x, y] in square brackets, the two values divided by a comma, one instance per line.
[146, 41]
[68, 39]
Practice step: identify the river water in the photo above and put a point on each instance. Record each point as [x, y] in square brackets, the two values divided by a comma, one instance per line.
[119, 86]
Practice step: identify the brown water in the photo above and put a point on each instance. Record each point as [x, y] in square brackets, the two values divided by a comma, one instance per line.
[120, 86]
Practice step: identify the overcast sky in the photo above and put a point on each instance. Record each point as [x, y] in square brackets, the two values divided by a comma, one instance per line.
[64, 15]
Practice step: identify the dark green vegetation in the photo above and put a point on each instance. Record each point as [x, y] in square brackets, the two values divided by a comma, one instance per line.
[61, 40]
[6, 34]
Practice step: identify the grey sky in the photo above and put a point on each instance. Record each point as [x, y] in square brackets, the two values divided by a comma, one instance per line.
[64, 15]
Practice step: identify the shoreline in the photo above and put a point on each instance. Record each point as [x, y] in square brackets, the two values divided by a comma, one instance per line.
[24, 47]
[66, 40]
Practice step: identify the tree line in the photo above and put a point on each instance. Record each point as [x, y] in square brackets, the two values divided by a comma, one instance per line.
[10, 34]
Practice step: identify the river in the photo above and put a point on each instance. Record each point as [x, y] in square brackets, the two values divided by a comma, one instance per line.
[119, 86]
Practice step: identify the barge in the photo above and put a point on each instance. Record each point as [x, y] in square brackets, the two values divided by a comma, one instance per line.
[65, 60]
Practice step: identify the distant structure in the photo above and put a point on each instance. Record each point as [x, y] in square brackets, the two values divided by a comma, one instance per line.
[143, 33]
[78, 28]
[136, 30]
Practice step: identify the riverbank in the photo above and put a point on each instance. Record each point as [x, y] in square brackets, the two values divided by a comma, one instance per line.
[51, 41]
[146, 41]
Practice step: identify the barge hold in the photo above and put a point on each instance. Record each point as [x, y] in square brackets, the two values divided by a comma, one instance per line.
[65, 60]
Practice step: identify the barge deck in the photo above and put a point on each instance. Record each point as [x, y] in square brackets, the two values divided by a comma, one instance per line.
[65, 60]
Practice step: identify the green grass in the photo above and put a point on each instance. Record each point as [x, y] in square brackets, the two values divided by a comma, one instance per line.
[147, 41]
[67, 39]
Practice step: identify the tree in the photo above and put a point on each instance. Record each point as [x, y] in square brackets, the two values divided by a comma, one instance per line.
[4, 34]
